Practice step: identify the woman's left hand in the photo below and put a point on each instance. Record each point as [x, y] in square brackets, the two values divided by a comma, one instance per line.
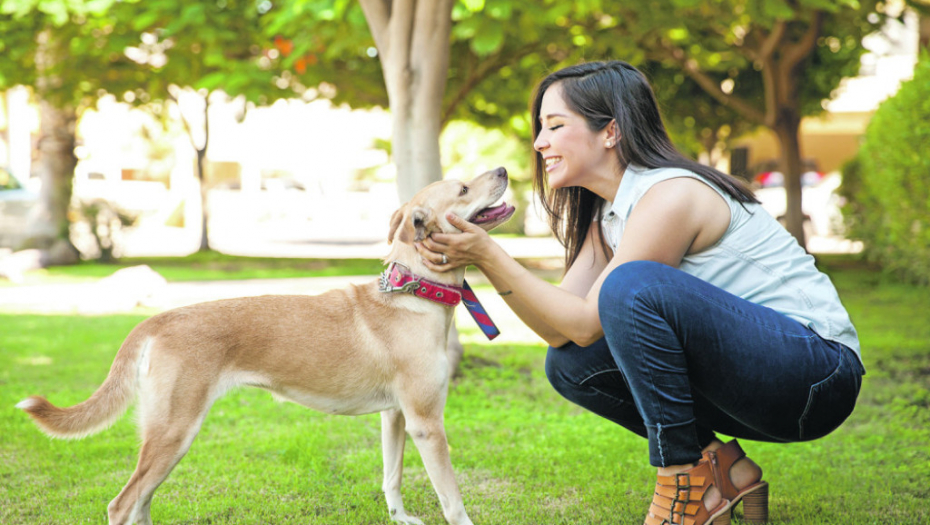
[442, 252]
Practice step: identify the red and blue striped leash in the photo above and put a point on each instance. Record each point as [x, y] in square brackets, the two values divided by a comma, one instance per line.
[478, 312]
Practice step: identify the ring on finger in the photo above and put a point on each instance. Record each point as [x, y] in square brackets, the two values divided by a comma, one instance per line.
[445, 259]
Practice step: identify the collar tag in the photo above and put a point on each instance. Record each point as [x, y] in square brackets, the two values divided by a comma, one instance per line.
[398, 278]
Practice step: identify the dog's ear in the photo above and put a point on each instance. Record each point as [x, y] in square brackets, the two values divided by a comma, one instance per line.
[423, 222]
[395, 222]
[409, 226]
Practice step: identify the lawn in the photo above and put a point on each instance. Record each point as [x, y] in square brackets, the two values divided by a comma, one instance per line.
[522, 455]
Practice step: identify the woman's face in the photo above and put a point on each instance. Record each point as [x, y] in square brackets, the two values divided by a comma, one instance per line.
[571, 152]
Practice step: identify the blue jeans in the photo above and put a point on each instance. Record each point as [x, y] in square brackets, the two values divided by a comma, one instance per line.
[682, 359]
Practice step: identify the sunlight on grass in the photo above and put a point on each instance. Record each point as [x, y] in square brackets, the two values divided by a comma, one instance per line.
[36, 360]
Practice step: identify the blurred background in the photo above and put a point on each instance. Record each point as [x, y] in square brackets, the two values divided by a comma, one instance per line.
[283, 128]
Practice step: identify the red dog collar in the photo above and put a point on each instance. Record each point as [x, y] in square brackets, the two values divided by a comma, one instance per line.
[399, 278]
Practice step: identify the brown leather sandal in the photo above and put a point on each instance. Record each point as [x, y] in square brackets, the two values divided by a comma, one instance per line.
[679, 499]
[755, 497]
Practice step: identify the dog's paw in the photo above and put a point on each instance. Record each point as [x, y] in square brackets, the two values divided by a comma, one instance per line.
[401, 517]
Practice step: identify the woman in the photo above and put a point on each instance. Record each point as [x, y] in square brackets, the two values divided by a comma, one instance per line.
[685, 309]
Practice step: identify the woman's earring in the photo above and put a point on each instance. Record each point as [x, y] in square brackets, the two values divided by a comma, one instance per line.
[609, 144]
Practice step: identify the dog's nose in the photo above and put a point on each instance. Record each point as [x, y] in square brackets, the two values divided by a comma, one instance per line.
[501, 172]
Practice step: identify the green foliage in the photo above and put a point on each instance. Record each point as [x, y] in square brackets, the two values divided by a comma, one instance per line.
[500, 50]
[887, 186]
[209, 46]
[95, 47]
[724, 40]
[695, 121]
[326, 43]
[69, 52]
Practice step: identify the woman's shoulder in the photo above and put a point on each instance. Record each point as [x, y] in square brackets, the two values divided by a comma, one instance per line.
[637, 180]
[649, 176]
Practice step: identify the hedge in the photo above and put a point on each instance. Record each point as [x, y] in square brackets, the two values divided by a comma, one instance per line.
[887, 185]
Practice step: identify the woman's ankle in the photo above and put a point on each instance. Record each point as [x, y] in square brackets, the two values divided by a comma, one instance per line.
[671, 470]
[744, 473]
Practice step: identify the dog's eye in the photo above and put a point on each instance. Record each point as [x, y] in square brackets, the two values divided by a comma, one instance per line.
[464, 190]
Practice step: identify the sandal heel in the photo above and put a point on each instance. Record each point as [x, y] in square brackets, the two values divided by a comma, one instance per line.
[723, 519]
[756, 506]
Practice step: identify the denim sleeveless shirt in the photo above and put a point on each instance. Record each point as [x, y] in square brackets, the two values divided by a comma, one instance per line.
[756, 259]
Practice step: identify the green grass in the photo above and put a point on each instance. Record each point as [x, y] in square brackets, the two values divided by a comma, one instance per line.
[522, 455]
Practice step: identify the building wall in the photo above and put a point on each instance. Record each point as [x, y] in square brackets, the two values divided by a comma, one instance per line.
[830, 140]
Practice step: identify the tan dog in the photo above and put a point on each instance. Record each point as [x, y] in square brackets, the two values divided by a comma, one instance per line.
[354, 351]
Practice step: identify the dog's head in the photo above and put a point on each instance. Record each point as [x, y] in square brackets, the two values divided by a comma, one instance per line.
[474, 201]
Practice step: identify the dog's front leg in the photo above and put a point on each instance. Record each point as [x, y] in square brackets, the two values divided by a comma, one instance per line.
[429, 436]
[393, 439]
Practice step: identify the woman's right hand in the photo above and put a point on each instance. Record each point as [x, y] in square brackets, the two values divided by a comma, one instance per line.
[471, 246]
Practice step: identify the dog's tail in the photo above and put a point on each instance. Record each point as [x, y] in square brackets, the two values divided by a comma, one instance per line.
[103, 407]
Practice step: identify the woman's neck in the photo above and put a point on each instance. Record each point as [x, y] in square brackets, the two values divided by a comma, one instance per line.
[606, 184]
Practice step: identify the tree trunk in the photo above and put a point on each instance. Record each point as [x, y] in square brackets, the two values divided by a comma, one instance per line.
[204, 212]
[49, 229]
[412, 37]
[415, 141]
[201, 162]
[787, 130]
[201, 151]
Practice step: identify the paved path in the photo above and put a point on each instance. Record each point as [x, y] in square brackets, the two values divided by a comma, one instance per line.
[142, 291]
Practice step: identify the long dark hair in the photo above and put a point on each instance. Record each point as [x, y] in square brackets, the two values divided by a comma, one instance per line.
[601, 92]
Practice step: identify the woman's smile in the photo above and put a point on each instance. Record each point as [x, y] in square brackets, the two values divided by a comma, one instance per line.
[552, 162]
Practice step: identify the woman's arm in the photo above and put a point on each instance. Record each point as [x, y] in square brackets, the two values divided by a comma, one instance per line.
[577, 281]
[675, 217]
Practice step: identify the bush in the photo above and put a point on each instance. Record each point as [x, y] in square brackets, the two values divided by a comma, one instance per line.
[887, 186]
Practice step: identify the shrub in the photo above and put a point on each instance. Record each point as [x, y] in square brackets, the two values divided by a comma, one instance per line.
[887, 186]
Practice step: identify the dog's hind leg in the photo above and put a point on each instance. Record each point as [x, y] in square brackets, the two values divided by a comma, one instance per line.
[168, 429]
[393, 439]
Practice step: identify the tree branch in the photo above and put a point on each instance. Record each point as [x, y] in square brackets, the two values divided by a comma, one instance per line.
[429, 53]
[433, 23]
[486, 67]
[184, 121]
[795, 53]
[773, 40]
[711, 86]
[378, 14]
[400, 31]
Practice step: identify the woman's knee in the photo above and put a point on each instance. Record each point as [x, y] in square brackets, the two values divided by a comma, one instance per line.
[626, 281]
[630, 287]
[589, 378]
[569, 366]
[559, 364]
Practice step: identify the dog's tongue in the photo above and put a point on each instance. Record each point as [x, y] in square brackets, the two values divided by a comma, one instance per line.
[493, 213]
